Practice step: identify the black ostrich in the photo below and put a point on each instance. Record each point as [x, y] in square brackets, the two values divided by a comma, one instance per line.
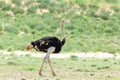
[48, 45]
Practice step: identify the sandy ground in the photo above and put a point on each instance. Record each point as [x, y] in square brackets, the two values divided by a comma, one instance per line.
[104, 75]
[28, 75]
[100, 55]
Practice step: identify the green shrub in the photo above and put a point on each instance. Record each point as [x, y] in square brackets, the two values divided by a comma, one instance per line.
[70, 27]
[4, 6]
[32, 9]
[73, 57]
[24, 28]
[104, 15]
[11, 62]
[17, 10]
[91, 11]
[11, 29]
[2, 3]
[112, 1]
[43, 3]
[116, 8]
[17, 2]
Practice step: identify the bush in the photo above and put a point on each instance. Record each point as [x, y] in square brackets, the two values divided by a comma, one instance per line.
[17, 2]
[104, 15]
[11, 29]
[4, 6]
[112, 1]
[91, 11]
[73, 57]
[116, 8]
[17, 10]
[32, 9]
[43, 3]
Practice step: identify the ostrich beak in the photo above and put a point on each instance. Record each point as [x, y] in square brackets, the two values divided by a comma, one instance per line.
[29, 46]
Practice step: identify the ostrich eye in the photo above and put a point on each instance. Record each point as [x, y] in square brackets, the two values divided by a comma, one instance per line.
[33, 44]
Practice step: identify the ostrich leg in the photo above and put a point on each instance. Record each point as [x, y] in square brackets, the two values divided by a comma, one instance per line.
[46, 58]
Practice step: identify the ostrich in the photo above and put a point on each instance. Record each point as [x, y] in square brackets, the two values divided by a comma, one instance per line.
[49, 45]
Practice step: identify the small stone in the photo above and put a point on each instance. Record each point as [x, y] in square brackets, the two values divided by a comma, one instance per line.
[23, 79]
[57, 79]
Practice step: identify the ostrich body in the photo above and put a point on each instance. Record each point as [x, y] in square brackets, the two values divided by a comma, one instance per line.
[49, 45]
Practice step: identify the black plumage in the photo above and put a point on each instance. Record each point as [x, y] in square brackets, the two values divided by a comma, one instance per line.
[44, 43]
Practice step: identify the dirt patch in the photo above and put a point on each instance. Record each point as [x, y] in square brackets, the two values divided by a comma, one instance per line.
[61, 75]
[100, 55]
[18, 76]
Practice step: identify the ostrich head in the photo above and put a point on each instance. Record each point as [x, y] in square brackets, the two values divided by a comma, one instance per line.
[30, 46]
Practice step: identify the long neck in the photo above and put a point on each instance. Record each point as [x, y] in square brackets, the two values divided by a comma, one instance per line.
[63, 41]
[63, 34]
[62, 24]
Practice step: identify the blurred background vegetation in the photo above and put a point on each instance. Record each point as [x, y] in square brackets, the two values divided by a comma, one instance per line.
[92, 25]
